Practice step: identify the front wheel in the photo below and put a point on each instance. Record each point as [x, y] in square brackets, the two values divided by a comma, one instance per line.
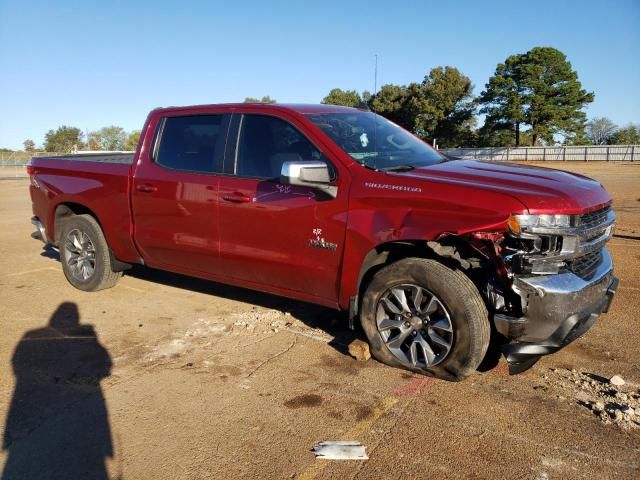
[85, 256]
[424, 317]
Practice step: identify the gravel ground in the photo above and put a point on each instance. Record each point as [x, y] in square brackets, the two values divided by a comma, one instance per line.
[165, 376]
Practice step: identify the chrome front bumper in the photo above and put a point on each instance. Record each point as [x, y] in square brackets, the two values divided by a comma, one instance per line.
[557, 310]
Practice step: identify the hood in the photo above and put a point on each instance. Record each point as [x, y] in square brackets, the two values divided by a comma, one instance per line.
[541, 190]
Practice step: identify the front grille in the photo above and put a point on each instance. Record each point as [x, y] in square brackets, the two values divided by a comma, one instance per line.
[593, 219]
[586, 265]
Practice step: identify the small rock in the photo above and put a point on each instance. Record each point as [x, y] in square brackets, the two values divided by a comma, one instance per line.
[638, 412]
[584, 397]
[599, 406]
[359, 350]
[616, 380]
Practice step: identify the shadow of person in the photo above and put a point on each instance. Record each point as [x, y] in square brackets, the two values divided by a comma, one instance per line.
[58, 425]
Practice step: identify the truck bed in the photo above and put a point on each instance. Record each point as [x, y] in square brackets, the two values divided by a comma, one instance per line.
[97, 181]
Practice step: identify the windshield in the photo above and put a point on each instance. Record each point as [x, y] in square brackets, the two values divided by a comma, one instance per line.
[376, 142]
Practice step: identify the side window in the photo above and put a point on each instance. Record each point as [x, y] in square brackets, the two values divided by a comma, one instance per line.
[192, 143]
[265, 143]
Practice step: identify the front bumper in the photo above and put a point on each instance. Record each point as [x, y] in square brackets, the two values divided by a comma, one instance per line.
[558, 309]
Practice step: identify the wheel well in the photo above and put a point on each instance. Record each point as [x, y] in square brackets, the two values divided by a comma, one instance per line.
[66, 210]
[452, 251]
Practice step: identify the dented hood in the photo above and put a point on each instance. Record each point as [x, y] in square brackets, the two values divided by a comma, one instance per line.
[541, 190]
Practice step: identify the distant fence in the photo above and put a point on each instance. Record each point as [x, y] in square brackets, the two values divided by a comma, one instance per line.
[604, 153]
[12, 164]
[15, 159]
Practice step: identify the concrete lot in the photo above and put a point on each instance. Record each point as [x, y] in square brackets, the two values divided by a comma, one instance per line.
[169, 377]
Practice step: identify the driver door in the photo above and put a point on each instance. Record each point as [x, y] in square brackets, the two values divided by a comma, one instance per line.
[270, 232]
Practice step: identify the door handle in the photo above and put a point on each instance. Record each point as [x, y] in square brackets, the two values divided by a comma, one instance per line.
[147, 188]
[236, 197]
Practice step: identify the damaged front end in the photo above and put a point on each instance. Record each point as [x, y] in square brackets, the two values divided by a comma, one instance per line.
[557, 279]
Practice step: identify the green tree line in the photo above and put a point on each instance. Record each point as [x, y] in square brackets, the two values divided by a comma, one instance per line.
[533, 98]
[65, 139]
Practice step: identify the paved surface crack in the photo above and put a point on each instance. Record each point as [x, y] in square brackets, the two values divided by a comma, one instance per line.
[273, 357]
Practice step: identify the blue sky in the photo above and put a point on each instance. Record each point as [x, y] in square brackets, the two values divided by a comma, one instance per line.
[95, 63]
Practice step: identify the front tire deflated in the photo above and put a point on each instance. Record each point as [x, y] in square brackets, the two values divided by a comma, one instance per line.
[425, 317]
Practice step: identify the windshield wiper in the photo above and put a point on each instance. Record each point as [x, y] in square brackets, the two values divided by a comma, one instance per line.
[370, 167]
[397, 168]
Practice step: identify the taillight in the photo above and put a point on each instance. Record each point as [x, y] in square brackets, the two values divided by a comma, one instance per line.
[30, 169]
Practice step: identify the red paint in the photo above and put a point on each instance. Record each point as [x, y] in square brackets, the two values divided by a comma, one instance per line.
[414, 386]
[247, 232]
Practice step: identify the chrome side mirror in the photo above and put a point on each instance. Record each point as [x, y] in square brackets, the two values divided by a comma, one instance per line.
[314, 174]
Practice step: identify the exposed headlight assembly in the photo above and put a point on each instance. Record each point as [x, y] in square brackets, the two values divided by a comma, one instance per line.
[529, 223]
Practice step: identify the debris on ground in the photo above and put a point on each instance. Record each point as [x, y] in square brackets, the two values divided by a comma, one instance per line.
[269, 321]
[616, 380]
[612, 401]
[359, 350]
[340, 450]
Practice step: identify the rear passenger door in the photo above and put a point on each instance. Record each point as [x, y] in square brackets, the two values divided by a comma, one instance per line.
[267, 228]
[175, 193]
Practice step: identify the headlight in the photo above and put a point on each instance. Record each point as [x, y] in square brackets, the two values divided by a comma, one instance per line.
[519, 223]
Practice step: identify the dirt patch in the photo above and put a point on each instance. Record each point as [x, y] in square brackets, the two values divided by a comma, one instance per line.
[304, 401]
[363, 412]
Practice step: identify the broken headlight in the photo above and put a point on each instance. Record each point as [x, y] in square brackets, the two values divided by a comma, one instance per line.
[520, 223]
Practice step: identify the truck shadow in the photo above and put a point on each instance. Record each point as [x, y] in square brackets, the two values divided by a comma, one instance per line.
[58, 424]
[331, 322]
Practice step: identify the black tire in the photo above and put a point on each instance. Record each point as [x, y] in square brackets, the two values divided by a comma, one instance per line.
[102, 276]
[458, 299]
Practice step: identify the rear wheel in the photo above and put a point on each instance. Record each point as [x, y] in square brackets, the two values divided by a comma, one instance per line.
[422, 316]
[85, 256]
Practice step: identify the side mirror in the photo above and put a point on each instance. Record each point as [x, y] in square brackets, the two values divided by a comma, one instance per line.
[312, 174]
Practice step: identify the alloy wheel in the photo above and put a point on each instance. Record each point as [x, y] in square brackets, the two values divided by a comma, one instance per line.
[415, 325]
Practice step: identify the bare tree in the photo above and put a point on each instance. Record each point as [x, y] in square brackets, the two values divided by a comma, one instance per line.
[601, 130]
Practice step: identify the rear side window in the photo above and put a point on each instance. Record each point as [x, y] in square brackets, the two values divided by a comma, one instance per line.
[192, 143]
[265, 143]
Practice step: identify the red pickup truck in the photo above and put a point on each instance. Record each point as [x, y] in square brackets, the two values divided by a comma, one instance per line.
[340, 207]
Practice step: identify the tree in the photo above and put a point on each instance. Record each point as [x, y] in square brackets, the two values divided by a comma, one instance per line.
[109, 138]
[132, 140]
[538, 89]
[393, 102]
[446, 107]
[265, 99]
[600, 130]
[347, 98]
[441, 107]
[63, 140]
[629, 135]
[29, 145]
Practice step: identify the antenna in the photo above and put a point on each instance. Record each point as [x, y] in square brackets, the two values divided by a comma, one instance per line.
[375, 76]
[375, 117]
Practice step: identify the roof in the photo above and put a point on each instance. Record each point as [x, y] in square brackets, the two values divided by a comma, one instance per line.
[301, 108]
